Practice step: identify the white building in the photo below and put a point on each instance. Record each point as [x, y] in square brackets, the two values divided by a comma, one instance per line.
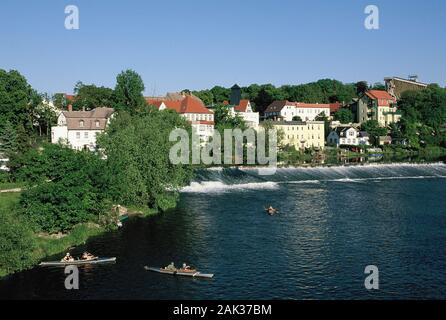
[302, 135]
[191, 108]
[244, 110]
[287, 110]
[79, 129]
[348, 136]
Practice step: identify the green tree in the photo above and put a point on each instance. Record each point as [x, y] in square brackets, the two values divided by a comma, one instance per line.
[129, 91]
[17, 99]
[220, 94]
[16, 245]
[361, 87]
[137, 149]
[89, 97]
[68, 187]
[297, 118]
[8, 139]
[424, 116]
[344, 116]
[374, 130]
[206, 96]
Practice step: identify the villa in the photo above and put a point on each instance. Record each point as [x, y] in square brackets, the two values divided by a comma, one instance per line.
[302, 135]
[290, 111]
[348, 136]
[79, 129]
[192, 109]
[376, 105]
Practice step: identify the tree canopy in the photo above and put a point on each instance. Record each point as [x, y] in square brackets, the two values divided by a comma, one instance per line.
[129, 91]
[137, 148]
[344, 115]
[322, 91]
[90, 96]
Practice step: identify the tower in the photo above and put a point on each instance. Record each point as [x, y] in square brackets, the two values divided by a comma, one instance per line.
[236, 95]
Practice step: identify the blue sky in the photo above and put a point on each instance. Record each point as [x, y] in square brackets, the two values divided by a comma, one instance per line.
[197, 44]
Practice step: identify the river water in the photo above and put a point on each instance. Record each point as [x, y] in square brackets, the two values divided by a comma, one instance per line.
[332, 223]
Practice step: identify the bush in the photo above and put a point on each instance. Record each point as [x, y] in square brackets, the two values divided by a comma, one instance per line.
[68, 187]
[16, 245]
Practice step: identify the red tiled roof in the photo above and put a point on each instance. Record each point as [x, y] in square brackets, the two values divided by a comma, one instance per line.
[334, 107]
[186, 105]
[311, 105]
[191, 105]
[383, 97]
[379, 94]
[242, 106]
[70, 97]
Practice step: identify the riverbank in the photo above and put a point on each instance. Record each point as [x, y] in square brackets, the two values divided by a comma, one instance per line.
[32, 247]
[338, 156]
[27, 248]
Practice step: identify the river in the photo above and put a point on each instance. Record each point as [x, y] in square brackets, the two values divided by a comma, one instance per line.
[332, 223]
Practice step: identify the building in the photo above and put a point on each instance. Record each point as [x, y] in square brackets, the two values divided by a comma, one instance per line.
[302, 135]
[396, 86]
[348, 136]
[290, 111]
[384, 140]
[244, 110]
[193, 110]
[242, 107]
[79, 129]
[364, 138]
[376, 105]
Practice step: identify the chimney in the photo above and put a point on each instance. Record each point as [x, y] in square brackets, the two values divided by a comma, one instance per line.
[70, 107]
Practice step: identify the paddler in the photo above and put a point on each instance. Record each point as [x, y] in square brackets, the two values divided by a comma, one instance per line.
[87, 256]
[67, 258]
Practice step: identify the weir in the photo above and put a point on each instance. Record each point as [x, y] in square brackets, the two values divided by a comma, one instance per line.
[218, 179]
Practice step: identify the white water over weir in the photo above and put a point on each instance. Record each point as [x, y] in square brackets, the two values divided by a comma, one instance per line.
[228, 179]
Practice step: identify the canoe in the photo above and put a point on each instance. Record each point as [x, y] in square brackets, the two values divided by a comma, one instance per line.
[195, 274]
[77, 262]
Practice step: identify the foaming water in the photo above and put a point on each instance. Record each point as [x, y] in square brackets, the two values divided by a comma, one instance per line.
[217, 186]
[215, 180]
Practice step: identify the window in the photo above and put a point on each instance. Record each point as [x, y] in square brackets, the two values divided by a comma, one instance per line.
[81, 123]
[86, 134]
[97, 123]
[78, 135]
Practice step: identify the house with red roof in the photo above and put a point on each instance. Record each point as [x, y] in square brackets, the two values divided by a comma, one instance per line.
[242, 107]
[288, 111]
[377, 105]
[192, 109]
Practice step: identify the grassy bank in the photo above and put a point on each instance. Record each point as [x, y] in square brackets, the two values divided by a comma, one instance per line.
[24, 248]
[28, 248]
[11, 185]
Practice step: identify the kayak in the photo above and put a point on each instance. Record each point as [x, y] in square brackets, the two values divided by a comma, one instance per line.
[193, 274]
[77, 262]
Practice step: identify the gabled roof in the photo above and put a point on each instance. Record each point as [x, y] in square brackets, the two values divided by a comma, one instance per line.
[243, 105]
[334, 107]
[278, 105]
[95, 119]
[187, 105]
[342, 130]
[191, 105]
[379, 94]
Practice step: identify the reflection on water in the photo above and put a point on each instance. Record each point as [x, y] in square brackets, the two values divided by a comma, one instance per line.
[328, 229]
